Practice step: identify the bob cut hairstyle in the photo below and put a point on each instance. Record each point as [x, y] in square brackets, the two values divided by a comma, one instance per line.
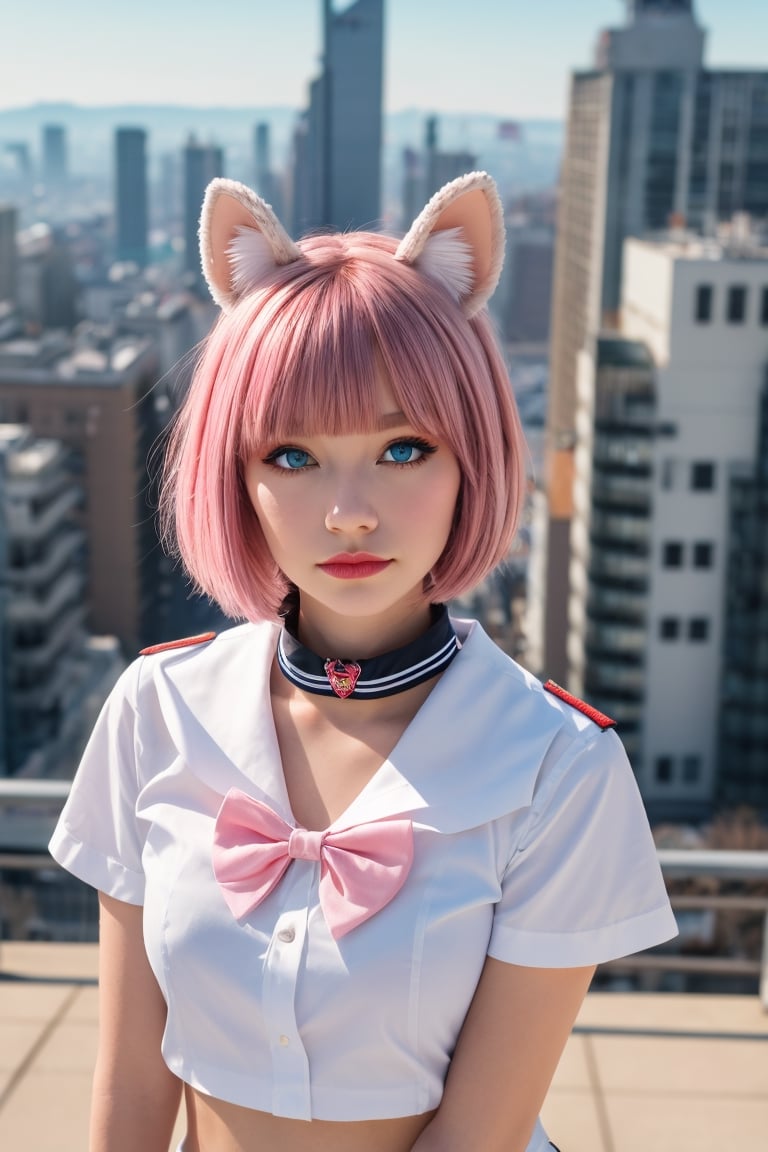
[300, 355]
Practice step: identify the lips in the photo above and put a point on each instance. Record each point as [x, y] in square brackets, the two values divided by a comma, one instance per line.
[354, 558]
[354, 565]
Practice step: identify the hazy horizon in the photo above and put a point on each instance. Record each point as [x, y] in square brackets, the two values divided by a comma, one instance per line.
[499, 57]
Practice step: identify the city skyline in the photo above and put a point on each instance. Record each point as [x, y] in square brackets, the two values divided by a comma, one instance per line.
[508, 59]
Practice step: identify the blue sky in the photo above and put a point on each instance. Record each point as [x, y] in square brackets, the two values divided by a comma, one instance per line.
[509, 57]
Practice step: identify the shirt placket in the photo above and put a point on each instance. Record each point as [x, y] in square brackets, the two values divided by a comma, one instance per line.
[291, 1094]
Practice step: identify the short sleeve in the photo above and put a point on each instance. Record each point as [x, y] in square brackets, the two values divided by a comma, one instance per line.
[585, 884]
[98, 837]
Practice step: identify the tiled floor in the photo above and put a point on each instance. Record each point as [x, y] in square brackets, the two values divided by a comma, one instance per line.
[616, 1090]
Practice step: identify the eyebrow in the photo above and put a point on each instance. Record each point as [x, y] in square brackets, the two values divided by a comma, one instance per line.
[391, 420]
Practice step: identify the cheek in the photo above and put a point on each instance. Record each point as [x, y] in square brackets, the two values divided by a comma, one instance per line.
[271, 512]
[430, 511]
[445, 494]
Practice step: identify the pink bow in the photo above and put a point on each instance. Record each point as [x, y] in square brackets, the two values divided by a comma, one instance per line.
[361, 868]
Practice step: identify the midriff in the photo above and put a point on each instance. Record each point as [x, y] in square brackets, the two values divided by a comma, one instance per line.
[217, 1126]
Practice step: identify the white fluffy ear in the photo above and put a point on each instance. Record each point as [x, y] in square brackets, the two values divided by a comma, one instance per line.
[458, 240]
[241, 241]
[447, 258]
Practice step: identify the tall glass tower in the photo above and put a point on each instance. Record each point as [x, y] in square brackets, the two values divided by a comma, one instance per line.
[131, 194]
[337, 176]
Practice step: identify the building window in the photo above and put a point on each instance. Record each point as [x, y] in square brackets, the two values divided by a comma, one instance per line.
[691, 769]
[669, 628]
[703, 554]
[668, 470]
[703, 309]
[663, 769]
[702, 476]
[698, 628]
[737, 304]
[672, 554]
[764, 307]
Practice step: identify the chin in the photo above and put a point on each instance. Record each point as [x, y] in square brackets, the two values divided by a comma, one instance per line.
[364, 603]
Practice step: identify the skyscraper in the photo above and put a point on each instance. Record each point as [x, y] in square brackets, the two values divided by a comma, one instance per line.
[131, 195]
[338, 179]
[261, 165]
[8, 255]
[55, 165]
[43, 581]
[440, 166]
[202, 163]
[652, 136]
[427, 171]
[97, 396]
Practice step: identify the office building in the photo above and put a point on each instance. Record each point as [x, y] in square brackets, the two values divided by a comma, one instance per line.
[266, 181]
[131, 212]
[440, 167]
[201, 164]
[411, 197]
[425, 172]
[337, 173]
[48, 289]
[743, 728]
[42, 574]
[653, 137]
[261, 162]
[524, 302]
[8, 255]
[669, 535]
[94, 394]
[55, 159]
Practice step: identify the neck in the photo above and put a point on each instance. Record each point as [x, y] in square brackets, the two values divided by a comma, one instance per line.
[359, 637]
[347, 676]
[338, 713]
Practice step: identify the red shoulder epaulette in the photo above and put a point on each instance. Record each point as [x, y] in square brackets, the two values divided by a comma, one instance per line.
[598, 718]
[187, 642]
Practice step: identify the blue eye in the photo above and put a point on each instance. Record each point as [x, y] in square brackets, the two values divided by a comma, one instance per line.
[406, 452]
[290, 459]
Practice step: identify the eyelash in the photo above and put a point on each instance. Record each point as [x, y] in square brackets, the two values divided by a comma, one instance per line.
[423, 446]
[281, 451]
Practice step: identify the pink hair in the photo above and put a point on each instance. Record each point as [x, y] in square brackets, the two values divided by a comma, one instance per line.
[300, 356]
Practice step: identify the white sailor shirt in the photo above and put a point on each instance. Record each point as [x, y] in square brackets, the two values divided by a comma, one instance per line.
[531, 845]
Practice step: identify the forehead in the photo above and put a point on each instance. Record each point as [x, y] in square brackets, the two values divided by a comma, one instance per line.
[339, 380]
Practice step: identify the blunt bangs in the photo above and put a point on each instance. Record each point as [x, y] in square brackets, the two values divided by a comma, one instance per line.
[302, 356]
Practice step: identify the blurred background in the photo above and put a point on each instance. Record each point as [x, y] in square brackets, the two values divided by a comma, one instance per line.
[630, 144]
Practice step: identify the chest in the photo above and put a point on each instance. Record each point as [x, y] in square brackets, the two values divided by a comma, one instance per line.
[263, 999]
[326, 766]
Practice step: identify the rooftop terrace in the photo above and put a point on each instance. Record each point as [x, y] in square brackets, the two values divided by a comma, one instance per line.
[643, 1072]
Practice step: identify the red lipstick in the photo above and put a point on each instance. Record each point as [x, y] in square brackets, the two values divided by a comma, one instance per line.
[354, 565]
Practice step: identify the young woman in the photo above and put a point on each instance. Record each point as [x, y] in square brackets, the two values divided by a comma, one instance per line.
[356, 866]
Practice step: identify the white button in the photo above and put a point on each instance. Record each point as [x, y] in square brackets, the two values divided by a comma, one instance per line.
[284, 1041]
[287, 935]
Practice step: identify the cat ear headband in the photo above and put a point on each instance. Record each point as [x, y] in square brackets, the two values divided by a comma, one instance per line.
[458, 240]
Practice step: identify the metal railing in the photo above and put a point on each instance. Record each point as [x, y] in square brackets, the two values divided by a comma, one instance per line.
[720, 864]
[29, 810]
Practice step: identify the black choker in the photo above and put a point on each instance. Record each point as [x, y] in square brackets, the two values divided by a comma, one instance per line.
[384, 675]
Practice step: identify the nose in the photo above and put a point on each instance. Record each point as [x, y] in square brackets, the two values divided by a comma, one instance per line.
[350, 510]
